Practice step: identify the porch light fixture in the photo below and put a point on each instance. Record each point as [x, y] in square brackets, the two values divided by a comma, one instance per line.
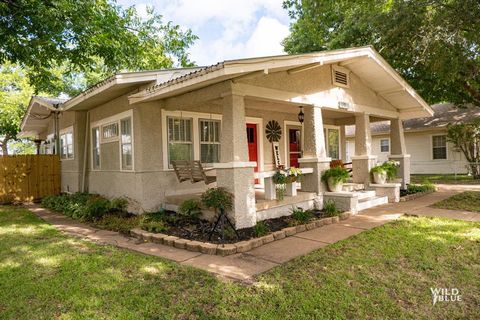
[301, 115]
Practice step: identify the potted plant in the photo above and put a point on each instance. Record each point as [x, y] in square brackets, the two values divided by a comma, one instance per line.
[293, 176]
[385, 171]
[280, 181]
[335, 178]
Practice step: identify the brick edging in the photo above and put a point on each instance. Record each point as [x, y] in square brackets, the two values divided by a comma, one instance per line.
[413, 196]
[232, 248]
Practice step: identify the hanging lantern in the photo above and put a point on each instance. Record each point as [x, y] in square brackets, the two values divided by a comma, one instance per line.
[301, 115]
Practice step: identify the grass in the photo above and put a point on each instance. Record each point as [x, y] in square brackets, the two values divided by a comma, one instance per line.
[383, 273]
[468, 201]
[443, 179]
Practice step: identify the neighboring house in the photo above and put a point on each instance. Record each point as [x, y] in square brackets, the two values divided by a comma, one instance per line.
[425, 140]
[119, 138]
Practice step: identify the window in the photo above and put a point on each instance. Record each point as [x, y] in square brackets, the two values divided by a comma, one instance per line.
[209, 141]
[126, 143]
[180, 146]
[332, 142]
[66, 145]
[439, 147]
[96, 148]
[110, 131]
[384, 145]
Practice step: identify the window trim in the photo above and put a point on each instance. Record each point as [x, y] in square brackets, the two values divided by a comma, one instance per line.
[195, 116]
[431, 146]
[380, 145]
[219, 143]
[327, 127]
[120, 143]
[111, 139]
[62, 132]
[105, 121]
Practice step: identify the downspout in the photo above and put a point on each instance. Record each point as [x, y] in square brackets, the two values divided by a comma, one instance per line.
[85, 151]
[56, 129]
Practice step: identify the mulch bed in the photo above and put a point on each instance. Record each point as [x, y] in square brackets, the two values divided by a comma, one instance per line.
[200, 231]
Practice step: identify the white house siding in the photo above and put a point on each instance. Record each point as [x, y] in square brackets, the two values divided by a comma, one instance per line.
[419, 146]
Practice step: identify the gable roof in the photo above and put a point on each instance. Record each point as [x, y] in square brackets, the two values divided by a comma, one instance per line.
[443, 115]
[38, 114]
[363, 61]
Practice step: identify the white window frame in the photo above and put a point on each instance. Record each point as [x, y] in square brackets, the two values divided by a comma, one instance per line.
[120, 142]
[195, 116]
[64, 132]
[209, 143]
[109, 120]
[380, 145]
[99, 148]
[431, 146]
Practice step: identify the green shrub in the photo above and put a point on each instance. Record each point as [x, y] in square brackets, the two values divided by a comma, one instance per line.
[190, 210]
[95, 208]
[217, 198]
[120, 223]
[417, 188]
[338, 175]
[330, 208]
[119, 204]
[155, 226]
[260, 229]
[300, 215]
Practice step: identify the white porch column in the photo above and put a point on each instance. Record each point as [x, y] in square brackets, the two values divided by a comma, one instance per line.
[314, 154]
[234, 172]
[363, 160]
[398, 151]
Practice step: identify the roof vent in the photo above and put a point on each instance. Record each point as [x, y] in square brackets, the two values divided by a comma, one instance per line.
[340, 77]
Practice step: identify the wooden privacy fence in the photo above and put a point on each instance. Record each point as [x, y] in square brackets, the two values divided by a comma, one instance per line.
[29, 177]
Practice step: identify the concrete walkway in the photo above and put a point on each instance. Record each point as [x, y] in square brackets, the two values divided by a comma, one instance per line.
[244, 266]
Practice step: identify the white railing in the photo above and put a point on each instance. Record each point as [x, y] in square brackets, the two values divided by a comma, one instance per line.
[270, 189]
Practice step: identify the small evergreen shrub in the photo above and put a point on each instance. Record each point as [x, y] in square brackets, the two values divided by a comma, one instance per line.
[300, 215]
[330, 208]
[155, 226]
[217, 198]
[96, 208]
[119, 204]
[260, 229]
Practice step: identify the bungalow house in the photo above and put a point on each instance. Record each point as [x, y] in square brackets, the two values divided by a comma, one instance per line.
[239, 117]
[425, 140]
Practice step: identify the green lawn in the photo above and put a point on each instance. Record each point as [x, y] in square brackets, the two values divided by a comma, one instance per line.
[443, 179]
[468, 201]
[384, 273]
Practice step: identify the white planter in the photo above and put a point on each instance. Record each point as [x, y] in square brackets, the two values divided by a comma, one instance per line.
[380, 177]
[291, 189]
[334, 187]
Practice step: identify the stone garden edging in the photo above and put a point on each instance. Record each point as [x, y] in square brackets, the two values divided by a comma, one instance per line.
[413, 196]
[232, 248]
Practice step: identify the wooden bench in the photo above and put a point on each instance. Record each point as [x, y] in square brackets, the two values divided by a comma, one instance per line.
[193, 171]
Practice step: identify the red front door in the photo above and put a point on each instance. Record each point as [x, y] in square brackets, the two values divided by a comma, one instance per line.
[252, 143]
[294, 146]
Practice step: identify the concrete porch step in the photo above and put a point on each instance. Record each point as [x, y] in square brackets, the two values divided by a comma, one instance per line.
[350, 186]
[370, 202]
[365, 194]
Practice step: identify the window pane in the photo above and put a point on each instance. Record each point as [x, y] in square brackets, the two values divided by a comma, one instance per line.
[439, 144]
[180, 151]
[96, 148]
[384, 145]
[439, 141]
[126, 126]
[333, 143]
[209, 153]
[110, 130]
[439, 153]
[126, 156]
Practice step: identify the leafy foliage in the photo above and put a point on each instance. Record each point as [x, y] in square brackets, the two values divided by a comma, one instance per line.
[85, 38]
[217, 198]
[330, 208]
[260, 229]
[338, 175]
[388, 167]
[434, 44]
[466, 138]
[190, 209]
[300, 215]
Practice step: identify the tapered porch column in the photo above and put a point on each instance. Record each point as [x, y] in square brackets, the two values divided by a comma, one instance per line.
[314, 154]
[398, 151]
[363, 160]
[235, 172]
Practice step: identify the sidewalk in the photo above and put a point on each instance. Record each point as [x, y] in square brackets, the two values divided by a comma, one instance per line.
[243, 266]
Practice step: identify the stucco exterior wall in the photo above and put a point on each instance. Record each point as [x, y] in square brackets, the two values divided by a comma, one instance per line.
[419, 146]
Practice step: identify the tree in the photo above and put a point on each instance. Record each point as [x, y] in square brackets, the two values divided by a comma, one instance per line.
[15, 92]
[434, 44]
[85, 37]
[466, 138]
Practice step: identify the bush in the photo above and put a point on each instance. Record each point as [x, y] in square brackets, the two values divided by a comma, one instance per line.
[217, 198]
[120, 223]
[190, 210]
[260, 229]
[330, 208]
[96, 208]
[417, 188]
[155, 226]
[300, 215]
[338, 175]
[119, 204]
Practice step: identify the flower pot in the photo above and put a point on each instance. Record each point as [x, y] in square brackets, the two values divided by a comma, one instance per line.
[380, 177]
[291, 189]
[334, 187]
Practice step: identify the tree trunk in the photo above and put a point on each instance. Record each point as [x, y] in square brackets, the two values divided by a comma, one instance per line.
[5, 146]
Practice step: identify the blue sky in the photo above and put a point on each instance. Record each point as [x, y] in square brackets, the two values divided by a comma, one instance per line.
[226, 29]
